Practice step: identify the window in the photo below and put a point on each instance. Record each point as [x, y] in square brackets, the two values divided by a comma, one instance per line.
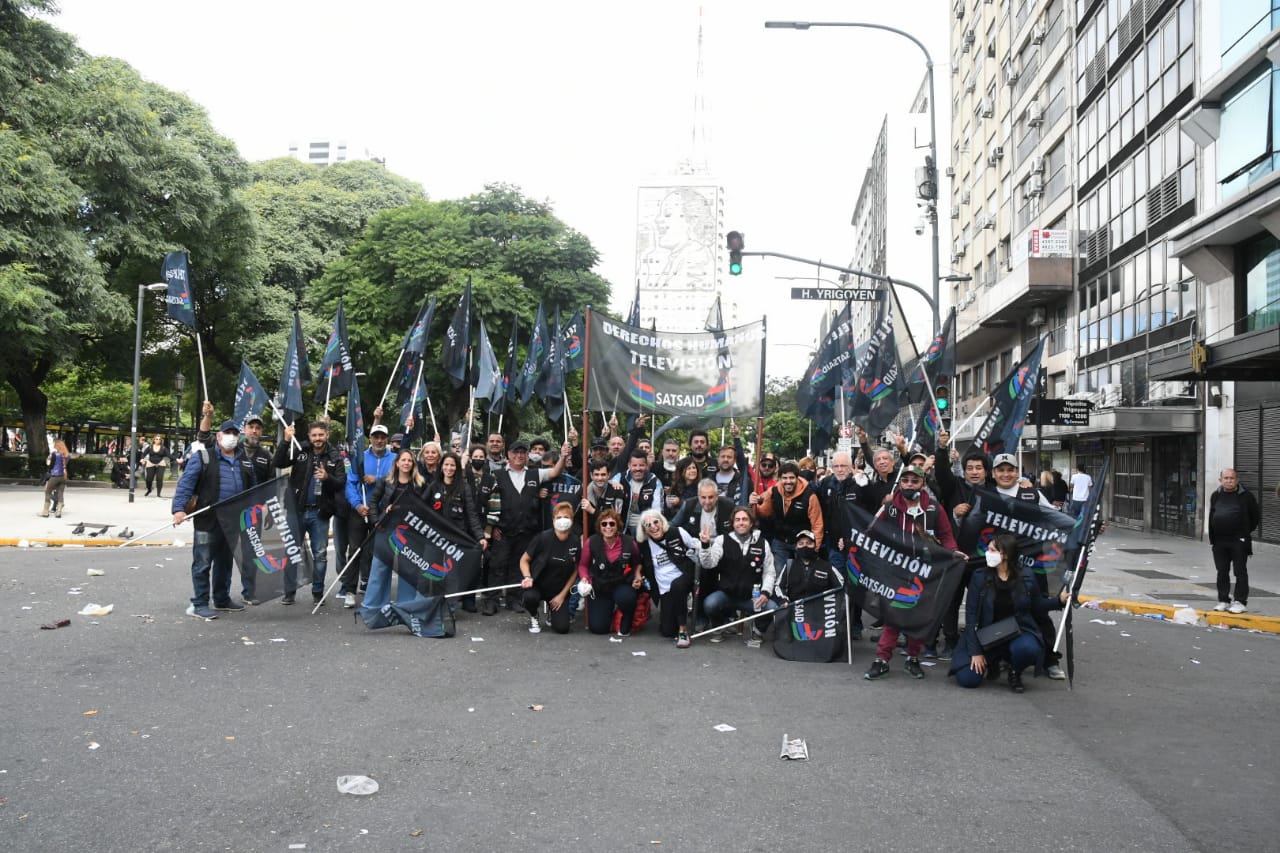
[1242, 23]
[1260, 260]
[1246, 142]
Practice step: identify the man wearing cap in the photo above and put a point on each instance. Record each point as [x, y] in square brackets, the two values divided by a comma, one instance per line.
[396, 443]
[913, 511]
[520, 520]
[318, 477]
[373, 466]
[211, 476]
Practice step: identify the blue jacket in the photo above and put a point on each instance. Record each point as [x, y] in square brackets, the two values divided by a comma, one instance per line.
[378, 466]
[1025, 608]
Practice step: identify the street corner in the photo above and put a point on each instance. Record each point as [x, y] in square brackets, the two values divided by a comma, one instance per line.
[1175, 614]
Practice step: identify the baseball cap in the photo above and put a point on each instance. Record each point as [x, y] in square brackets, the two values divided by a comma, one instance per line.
[378, 429]
[230, 426]
[806, 534]
[518, 444]
[398, 438]
[1005, 459]
[253, 419]
[915, 470]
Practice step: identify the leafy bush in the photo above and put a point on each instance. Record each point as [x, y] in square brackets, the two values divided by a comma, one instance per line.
[86, 467]
[13, 465]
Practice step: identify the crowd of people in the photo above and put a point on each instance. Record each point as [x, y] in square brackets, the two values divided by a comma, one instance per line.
[618, 532]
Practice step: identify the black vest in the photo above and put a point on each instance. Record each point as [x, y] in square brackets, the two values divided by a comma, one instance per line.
[207, 485]
[741, 567]
[604, 572]
[521, 511]
[647, 490]
[787, 525]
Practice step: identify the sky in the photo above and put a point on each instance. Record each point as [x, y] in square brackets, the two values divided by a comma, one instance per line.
[577, 102]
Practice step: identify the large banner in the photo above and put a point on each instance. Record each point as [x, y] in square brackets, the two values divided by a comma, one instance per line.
[265, 532]
[640, 371]
[1042, 531]
[907, 579]
[425, 549]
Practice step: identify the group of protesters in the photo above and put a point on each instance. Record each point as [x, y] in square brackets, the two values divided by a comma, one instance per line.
[621, 528]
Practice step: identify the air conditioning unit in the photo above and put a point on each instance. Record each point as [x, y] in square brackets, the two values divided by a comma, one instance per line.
[991, 51]
[1011, 72]
[1037, 165]
[1035, 186]
[1111, 395]
[970, 87]
[1170, 392]
[1036, 317]
[964, 197]
[950, 171]
[991, 221]
[986, 109]
[997, 152]
[955, 212]
[1035, 114]
[983, 221]
[1038, 33]
[969, 38]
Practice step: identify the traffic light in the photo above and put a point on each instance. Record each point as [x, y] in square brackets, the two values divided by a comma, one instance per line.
[735, 243]
[942, 395]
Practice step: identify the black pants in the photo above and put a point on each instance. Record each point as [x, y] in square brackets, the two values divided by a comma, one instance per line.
[533, 596]
[673, 607]
[1048, 633]
[1234, 551]
[358, 529]
[155, 476]
[620, 596]
[951, 617]
[504, 564]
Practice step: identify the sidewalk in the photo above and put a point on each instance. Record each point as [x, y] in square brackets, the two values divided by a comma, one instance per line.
[1141, 573]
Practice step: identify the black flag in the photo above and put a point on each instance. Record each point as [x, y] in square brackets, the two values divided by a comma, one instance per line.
[1009, 403]
[264, 528]
[426, 549]
[457, 341]
[336, 370]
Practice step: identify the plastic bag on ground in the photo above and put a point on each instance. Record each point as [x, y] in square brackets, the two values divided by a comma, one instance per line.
[361, 786]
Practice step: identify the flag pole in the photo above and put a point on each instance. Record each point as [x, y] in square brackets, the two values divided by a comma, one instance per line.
[566, 415]
[584, 440]
[471, 417]
[135, 540]
[328, 391]
[204, 384]
[435, 430]
[387, 390]
[976, 412]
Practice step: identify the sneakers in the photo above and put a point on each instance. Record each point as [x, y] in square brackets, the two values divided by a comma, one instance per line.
[879, 669]
[1222, 607]
[1236, 607]
[717, 637]
[287, 599]
[1055, 672]
[229, 607]
[618, 637]
[201, 612]
[534, 626]
[349, 600]
[251, 601]
[317, 598]
[913, 668]
[931, 651]
[682, 640]
[948, 650]
[1015, 681]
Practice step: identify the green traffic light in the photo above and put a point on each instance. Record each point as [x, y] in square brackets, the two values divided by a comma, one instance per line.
[735, 268]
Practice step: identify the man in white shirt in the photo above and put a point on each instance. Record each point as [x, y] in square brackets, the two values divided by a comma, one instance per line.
[1081, 484]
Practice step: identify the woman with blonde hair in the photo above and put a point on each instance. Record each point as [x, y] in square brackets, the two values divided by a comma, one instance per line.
[669, 554]
[403, 477]
[56, 486]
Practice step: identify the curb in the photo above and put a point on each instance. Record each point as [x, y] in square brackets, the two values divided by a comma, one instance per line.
[76, 543]
[1245, 621]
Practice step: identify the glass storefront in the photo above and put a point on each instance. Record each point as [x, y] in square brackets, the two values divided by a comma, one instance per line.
[1174, 478]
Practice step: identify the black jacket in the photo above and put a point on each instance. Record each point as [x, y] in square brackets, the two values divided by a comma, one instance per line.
[690, 517]
[332, 487]
[1233, 515]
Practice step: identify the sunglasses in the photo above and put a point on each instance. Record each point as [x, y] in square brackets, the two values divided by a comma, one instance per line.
[608, 524]
[768, 462]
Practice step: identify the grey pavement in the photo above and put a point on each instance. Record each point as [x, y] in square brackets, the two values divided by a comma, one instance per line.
[150, 730]
[1127, 565]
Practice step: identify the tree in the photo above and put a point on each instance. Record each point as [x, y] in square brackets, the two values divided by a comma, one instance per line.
[515, 252]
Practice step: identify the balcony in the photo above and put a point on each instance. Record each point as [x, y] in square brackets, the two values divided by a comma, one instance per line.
[987, 323]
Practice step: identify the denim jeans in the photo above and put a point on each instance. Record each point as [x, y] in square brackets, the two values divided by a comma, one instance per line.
[377, 594]
[600, 608]
[720, 606]
[210, 555]
[317, 530]
[1020, 653]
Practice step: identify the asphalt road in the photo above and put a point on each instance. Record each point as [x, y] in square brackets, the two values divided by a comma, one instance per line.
[209, 743]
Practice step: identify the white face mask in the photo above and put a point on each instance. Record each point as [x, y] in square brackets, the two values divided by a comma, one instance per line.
[994, 559]
[228, 440]
[535, 458]
[562, 525]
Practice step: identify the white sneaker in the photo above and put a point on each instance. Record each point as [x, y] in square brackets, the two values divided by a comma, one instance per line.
[349, 600]
[534, 626]
[1221, 606]
[1056, 673]
[1236, 607]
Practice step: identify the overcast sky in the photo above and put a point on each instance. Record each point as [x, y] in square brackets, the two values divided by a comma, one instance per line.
[576, 101]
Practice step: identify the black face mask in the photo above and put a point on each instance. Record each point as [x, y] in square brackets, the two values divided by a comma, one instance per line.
[806, 553]
[478, 464]
[911, 494]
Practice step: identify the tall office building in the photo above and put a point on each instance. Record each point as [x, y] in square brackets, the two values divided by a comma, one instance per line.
[325, 152]
[1070, 172]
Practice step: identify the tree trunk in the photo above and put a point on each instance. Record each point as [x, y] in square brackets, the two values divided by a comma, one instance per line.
[35, 408]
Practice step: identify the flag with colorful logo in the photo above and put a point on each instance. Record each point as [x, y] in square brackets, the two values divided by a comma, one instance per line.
[907, 579]
[533, 359]
[881, 384]
[823, 375]
[251, 396]
[1043, 532]
[1010, 401]
[425, 549]
[264, 528]
[177, 299]
[571, 338]
[355, 428]
[415, 340]
[336, 370]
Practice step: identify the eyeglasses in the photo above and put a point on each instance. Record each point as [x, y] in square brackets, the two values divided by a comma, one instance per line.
[608, 524]
[653, 523]
[767, 463]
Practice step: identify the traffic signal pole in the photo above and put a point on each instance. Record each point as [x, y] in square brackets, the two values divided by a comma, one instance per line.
[892, 282]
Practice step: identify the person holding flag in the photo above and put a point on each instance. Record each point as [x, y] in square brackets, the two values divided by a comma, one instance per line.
[210, 477]
[374, 466]
[318, 479]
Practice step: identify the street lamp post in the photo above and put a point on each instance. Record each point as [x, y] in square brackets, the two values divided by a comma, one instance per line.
[137, 369]
[179, 385]
[933, 129]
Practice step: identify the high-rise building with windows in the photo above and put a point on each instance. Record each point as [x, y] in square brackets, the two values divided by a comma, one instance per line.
[325, 152]
[1070, 173]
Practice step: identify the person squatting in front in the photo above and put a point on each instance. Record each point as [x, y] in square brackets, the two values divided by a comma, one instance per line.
[742, 562]
[548, 570]
[999, 591]
[669, 554]
[609, 575]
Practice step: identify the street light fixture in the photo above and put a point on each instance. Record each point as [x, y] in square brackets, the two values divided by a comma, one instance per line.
[179, 385]
[933, 128]
[137, 368]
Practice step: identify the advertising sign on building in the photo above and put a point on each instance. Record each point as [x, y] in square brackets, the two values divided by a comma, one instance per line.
[1050, 243]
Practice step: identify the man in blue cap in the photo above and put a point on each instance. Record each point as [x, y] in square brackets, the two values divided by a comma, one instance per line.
[211, 476]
